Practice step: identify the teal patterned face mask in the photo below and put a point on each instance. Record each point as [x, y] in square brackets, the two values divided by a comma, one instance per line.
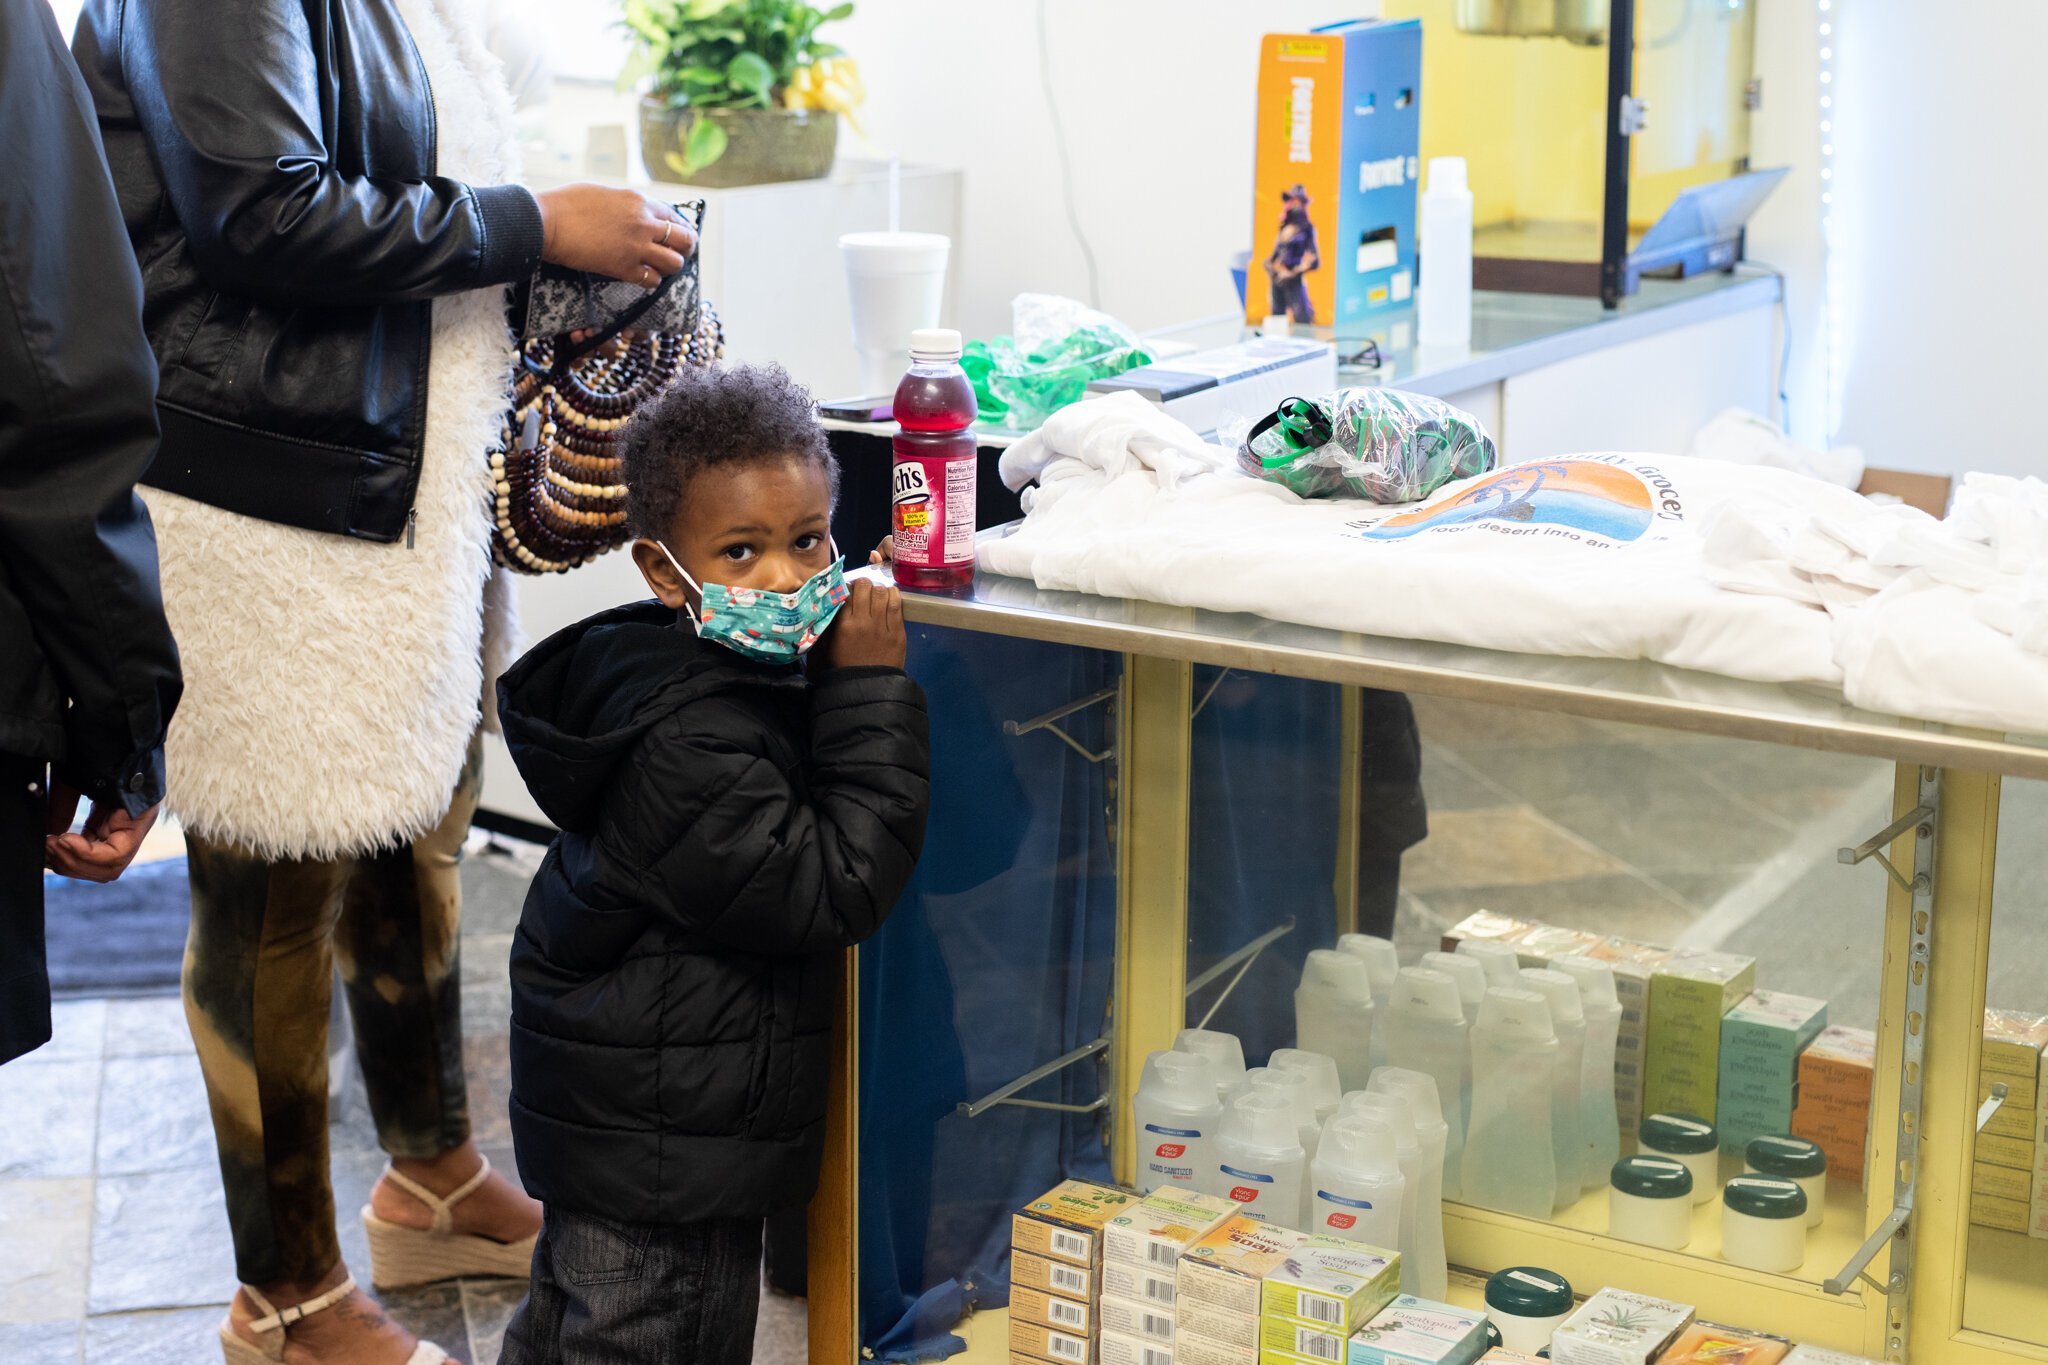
[772, 627]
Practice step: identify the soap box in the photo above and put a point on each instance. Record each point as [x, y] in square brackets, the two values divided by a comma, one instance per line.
[1485, 924]
[2012, 1043]
[1140, 1284]
[1066, 1224]
[1413, 1331]
[1224, 1269]
[1838, 1065]
[1156, 1230]
[1615, 1327]
[1285, 1339]
[1053, 1277]
[2007, 1215]
[2022, 1094]
[1339, 119]
[1050, 1310]
[1135, 1318]
[1331, 1284]
[1042, 1343]
[1820, 1355]
[1704, 1344]
[1545, 943]
[2002, 1182]
[1632, 963]
[1688, 997]
[1765, 1033]
[1219, 1325]
[2014, 1153]
[1190, 1349]
[1117, 1349]
[1501, 1355]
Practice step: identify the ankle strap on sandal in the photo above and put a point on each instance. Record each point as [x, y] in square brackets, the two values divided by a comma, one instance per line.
[443, 1207]
[281, 1318]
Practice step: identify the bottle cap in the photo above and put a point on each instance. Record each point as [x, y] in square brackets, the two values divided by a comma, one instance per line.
[1180, 1078]
[1499, 959]
[1596, 982]
[1359, 1144]
[1394, 1111]
[1791, 1157]
[1225, 1053]
[1262, 1118]
[1338, 974]
[1652, 1177]
[1382, 963]
[1764, 1196]
[1527, 1291]
[1324, 1089]
[1560, 991]
[935, 343]
[1291, 1086]
[1678, 1134]
[1418, 1088]
[1447, 172]
[1516, 1016]
[1466, 971]
[1426, 993]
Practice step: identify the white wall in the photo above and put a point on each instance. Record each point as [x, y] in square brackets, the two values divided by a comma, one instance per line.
[1943, 204]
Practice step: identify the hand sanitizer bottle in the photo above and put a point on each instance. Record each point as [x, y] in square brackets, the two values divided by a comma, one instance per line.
[1323, 1086]
[1500, 960]
[1292, 1086]
[1175, 1113]
[1333, 1012]
[1225, 1054]
[1259, 1161]
[1599, 1122]
[1514, 1080]
[1358, 1186]
[1471, 979]
[1568, 1018]
[1381, 963]
[1419, 1091]
[1393, 1111]
[1426, 1031]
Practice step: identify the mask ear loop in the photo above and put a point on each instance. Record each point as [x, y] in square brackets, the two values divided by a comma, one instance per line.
[695, 586]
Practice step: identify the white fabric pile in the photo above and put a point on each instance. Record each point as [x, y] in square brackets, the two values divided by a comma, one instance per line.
[1752, 572]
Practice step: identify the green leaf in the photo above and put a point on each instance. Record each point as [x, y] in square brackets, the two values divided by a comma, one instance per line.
[704, 145]
[704, 9]
[836, 13]
[750, 72]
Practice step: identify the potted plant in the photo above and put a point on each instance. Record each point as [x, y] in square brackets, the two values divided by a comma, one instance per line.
[741, 92]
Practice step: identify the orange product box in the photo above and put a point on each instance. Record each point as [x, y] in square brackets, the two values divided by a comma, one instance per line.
[1488, 926]
[1066, 1223]
[1043, 1343]
[1041, 1309]
[1705, 1344]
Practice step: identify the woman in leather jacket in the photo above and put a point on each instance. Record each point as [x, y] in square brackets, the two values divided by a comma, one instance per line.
[322, 196]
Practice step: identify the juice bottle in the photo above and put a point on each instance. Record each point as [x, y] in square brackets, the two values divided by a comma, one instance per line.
[932, 493]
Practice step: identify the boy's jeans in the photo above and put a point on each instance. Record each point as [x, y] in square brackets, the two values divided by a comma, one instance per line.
[606, 1293]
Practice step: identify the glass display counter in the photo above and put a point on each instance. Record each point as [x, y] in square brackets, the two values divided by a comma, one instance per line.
[1146, 817]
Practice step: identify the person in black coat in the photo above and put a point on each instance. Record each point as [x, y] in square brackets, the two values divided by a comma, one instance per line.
[735, 809]
[88, 671]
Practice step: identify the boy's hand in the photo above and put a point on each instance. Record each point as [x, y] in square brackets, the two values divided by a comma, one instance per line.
[885, 553]
[868, 631]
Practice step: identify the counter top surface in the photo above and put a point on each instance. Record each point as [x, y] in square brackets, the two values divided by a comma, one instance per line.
[1628, 690]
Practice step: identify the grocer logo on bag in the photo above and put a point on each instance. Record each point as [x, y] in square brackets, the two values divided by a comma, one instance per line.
[1170, 1150]
[1602, 501]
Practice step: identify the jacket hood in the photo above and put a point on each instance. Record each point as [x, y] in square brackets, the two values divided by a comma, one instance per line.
[578, 703]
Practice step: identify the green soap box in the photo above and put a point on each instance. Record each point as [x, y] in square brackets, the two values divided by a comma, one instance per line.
[1415, 1331]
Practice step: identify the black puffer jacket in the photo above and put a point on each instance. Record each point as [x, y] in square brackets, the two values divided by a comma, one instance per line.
[727, 827]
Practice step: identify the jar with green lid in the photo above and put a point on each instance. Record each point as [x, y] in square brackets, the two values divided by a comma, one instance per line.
[1527, 1304]
[1690, 1139]
[1649, 1200]
[1763, 1223]
[1792, 1158]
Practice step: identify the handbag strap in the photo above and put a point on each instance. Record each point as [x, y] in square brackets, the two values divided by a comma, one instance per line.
[568, 354]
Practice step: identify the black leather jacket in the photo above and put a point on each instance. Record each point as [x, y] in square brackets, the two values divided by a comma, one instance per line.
[275, 164]
[88, 673]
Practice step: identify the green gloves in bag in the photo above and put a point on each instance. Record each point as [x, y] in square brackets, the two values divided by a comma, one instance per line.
[1380, 444]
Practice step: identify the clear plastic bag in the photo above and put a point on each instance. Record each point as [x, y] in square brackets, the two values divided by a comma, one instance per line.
[1374, 443]
[1057, 346]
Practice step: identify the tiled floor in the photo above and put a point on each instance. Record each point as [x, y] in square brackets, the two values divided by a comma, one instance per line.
[113, 1233]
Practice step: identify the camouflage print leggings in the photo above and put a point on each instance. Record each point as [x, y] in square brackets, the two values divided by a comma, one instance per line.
[259, 964]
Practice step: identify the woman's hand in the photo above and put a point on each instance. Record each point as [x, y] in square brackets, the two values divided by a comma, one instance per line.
[612, 232]
[868, 631]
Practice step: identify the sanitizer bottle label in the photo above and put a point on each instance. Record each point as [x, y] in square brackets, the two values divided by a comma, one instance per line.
[1167, 1153]
[1249, 1188]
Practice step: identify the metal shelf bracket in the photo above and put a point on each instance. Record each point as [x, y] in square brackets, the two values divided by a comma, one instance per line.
[974, 1109]
[1051, 719]
[1242, 959]
[1991, 1105]
[1874, 847]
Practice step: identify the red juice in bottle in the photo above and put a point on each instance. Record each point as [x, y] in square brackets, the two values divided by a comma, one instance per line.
[932, 513]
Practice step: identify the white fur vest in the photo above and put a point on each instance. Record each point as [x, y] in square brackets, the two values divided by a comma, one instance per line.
[332, 685]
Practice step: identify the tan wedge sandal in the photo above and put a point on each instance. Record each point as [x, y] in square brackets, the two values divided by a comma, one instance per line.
[237, 1349]
[401, 1257]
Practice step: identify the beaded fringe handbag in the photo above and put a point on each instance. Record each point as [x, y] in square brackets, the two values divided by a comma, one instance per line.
[560, 500]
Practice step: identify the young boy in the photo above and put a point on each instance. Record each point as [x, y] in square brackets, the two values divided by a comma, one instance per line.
[740, 781]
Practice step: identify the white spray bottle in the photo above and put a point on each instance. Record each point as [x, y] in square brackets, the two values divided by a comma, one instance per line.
[1176, 1112]
[1259, 1161]
[1568, 1018]
[1393, 1110]
[1333, 1013]
[1443, 302]
[1419, 1092]
[1514, 1079]
[1426, 1032]
[1358, 1186]
[1381, 963]
[1225, 1054]
[1599, 1121]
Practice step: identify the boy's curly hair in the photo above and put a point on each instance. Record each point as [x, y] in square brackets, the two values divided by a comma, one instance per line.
[711, 416]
